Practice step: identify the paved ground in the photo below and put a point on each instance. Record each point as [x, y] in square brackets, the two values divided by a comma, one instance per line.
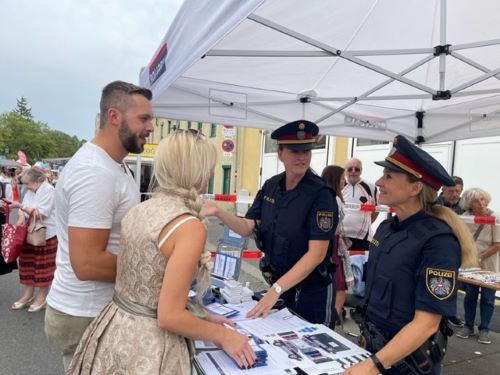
[24, 351]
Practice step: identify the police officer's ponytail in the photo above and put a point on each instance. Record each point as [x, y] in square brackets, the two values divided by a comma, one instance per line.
[427, 198]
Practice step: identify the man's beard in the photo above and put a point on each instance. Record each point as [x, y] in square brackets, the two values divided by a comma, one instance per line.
[130, 142]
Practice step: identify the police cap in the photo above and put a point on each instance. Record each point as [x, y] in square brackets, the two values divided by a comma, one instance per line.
[408, 158]
[297, 135]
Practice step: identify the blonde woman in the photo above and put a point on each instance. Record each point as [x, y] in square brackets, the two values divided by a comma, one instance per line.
[412, 269]
[475, 202]
[144, 329]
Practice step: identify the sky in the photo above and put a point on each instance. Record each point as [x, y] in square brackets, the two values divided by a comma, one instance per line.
[59, 54]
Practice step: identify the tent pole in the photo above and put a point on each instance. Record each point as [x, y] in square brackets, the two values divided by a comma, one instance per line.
[376, 88]
[466, 60]
[453, 154]
[442, 57]
[472, 82]
[337, 52]
[484, 43]
[420, 127]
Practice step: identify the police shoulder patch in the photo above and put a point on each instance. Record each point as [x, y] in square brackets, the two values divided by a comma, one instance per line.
[324, 219]
[440, 283]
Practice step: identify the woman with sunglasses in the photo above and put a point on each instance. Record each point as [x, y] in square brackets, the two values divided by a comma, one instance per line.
[144, 329]
[412, 268]
[295, 214]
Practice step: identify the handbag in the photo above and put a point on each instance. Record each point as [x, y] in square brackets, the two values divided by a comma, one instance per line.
[13, 238]
[36, 232]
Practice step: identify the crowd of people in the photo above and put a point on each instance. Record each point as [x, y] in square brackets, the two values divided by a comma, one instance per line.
[115, 271]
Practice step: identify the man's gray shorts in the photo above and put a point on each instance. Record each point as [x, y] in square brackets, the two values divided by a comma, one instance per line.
[64, 332]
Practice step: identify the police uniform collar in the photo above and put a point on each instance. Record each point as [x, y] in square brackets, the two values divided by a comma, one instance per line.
[400, 225]
[282, 179]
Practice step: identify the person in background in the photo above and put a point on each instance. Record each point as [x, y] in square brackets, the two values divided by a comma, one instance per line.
[412, 268]
[475, 202]
[334, 177]
[4, 267]
[5, 176]
[294, 215]
[17, 191]
[36, 263]
[93, 194]
[161, 251]
[357, 224]
[450, 197]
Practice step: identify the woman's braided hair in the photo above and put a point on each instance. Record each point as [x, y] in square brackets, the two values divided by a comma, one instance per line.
[183, 165]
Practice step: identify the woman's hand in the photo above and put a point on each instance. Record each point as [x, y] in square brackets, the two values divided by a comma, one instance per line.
[265, 305]
[367, 367]
[236, 345]
[209, 208]
[15, 204]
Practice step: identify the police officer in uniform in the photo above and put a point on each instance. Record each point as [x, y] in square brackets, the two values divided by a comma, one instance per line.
[294, 215]
[412, 268]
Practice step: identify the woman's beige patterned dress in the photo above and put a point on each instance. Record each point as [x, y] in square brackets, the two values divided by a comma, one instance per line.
[118, 342]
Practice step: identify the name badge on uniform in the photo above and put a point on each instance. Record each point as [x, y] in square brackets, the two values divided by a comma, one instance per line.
[440, 283]
[324, 219]
[267, 198]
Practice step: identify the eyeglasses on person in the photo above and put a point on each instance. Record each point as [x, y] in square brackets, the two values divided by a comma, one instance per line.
[353, 169]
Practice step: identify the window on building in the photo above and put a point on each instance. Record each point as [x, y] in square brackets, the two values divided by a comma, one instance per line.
[210, 189]
[200, 127]
[162, 125]
[226, 179]
[213, 130]
[189, 124]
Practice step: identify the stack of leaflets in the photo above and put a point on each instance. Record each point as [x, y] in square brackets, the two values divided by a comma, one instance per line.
[234, 292]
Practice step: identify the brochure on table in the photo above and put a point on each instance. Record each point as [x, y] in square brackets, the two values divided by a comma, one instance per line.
[293, 346]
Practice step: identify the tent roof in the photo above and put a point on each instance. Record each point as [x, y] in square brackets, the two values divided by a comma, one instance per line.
[360, 68]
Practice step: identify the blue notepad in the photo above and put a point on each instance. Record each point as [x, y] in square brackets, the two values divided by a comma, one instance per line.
[220, 309]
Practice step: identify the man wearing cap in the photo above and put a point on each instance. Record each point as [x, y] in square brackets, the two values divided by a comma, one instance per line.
[412, 268]
[295, 214]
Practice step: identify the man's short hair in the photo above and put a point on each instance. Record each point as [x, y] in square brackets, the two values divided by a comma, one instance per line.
[458, 180]
[117, 94]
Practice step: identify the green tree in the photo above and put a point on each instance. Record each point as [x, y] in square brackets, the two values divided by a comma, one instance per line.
[23, 109]
[34, 138]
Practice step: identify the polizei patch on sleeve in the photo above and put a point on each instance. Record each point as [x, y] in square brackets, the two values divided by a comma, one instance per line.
[324, 219]
[440, 283]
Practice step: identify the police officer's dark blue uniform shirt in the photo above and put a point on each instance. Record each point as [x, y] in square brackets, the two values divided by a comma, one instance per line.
[289, 219]
[413, 263]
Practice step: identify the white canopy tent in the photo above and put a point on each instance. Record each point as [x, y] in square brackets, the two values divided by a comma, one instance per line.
[429, 70]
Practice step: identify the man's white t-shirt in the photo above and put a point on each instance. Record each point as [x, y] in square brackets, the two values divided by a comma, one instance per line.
[358, 224]
[93, 191]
